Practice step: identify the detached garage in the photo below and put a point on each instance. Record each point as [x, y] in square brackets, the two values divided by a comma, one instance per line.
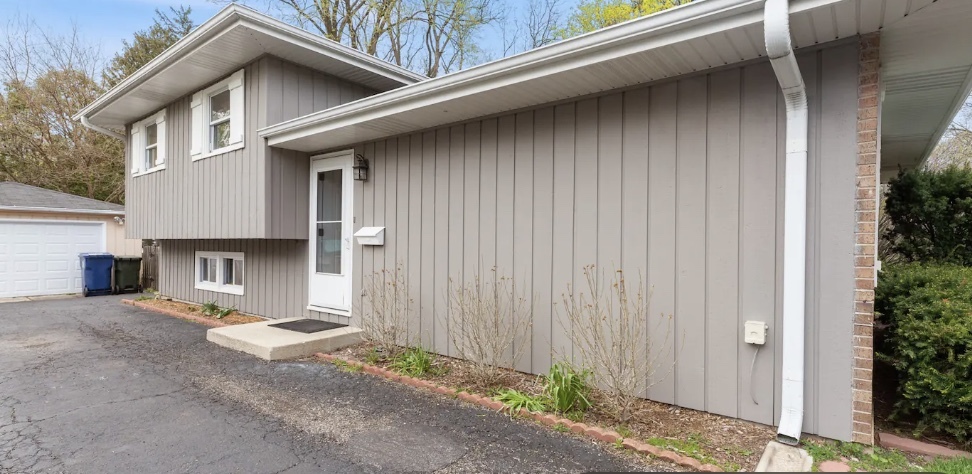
[43, 231]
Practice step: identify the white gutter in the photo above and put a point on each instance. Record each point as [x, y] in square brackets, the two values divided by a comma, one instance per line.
[106, 131]
[780, 51]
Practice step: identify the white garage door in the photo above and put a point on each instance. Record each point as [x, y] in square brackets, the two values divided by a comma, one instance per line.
[41, 257]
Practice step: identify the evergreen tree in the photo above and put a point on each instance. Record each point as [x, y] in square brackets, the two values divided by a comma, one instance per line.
[147, 44]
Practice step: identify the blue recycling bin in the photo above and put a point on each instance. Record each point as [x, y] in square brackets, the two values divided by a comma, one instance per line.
[96, 273]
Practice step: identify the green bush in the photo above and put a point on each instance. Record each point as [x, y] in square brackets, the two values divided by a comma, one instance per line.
[931, 215]
[928, 310]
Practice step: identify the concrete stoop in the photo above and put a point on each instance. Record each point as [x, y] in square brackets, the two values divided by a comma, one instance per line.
[270, 343]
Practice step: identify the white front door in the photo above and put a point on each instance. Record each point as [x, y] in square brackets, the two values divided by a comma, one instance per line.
[331, 188]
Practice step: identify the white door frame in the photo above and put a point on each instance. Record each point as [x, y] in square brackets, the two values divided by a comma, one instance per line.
[336, 160]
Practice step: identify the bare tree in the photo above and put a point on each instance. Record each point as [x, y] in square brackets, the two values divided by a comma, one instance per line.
[608, 326]
[46, 79]
[429, 36]
[955, 146]
[542, 23]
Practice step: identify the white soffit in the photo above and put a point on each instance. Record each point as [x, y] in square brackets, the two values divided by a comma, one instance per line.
[694, 37]
[221, 45]
[926, 71]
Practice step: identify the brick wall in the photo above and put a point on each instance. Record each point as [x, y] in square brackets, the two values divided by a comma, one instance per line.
[868, 161]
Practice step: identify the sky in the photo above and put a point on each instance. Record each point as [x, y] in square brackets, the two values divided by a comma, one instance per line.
[102, 23]
[106, 23]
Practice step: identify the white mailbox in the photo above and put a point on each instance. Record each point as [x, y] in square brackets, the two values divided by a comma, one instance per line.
[370, 236]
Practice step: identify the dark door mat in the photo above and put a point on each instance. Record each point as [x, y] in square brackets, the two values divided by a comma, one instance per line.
[308, 326]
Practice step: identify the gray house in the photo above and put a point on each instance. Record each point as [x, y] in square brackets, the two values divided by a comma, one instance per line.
[729, 150]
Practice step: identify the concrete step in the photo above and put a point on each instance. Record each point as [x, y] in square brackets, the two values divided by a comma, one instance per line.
[271, 343]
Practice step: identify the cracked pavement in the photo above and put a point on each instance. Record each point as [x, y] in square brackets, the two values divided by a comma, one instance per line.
[90, 385]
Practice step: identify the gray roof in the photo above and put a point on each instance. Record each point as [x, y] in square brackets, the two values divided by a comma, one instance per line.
[14, 195]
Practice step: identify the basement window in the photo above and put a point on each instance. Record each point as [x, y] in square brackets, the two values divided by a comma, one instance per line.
[220, 272]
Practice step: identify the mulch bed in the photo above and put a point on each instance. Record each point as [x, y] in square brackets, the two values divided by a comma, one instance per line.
[195, 311]
[727, 442]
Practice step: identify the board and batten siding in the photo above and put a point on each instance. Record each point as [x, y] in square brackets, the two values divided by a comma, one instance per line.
[248, 193]
[275, 276]
[681, 182]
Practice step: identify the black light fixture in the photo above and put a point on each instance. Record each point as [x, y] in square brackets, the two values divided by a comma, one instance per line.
[360, 168]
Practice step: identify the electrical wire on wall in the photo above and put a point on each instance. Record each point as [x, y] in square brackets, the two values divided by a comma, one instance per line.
[752, 370]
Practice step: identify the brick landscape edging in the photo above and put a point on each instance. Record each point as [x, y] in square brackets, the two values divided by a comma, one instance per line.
[176, 314]
[597, 433]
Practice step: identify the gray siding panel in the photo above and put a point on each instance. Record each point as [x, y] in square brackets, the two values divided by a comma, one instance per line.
[271, 285]
[253, 192]
[677, 182]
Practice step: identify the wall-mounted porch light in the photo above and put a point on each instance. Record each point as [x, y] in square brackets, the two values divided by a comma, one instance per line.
[360, 168]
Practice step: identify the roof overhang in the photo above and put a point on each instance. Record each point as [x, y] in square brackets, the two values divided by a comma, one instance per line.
[232, 38]
[695, 37]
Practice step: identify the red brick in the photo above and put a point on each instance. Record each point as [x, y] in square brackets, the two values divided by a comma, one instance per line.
[864, 283]
[863, 417]
[866, 407]
[864, 341]
[833, 466]
[863, 330]
[710, 468]
[578, 428]
[669, 456]
[864, 363]
[863, 438]
[690, 463]
[867, 124]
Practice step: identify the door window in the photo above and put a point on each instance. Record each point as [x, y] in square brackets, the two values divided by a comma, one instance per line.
[329, 221]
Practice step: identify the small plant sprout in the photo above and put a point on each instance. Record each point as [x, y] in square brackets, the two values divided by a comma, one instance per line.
[210, 308]
[224, 312]
[567, 389]
[414, 362]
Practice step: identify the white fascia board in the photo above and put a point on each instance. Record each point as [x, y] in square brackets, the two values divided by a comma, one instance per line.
[61, 211]
[669, 27]
[672, 26]
[229, 17]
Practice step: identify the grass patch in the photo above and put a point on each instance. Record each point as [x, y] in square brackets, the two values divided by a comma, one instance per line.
[624, 431]
[691, 447]
[562, 428]
[859, 457]
[346, 367]
[950, 466]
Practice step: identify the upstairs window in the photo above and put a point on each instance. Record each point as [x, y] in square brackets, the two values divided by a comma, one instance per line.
[220, 271]
[148, 144]
[217, 118]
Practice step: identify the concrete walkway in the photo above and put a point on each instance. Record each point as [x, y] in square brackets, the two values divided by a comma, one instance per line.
[90, 385]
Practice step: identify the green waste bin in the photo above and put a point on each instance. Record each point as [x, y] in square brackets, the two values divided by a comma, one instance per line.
[127, 271]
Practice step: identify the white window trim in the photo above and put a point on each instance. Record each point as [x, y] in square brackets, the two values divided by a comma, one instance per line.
[219, 286]
[157, 118]
[201, 117]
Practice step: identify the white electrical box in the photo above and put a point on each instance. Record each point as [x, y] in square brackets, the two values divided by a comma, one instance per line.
[370, 236]
[756, 332]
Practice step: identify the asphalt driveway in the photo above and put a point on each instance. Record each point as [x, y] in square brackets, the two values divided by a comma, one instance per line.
[90, 385]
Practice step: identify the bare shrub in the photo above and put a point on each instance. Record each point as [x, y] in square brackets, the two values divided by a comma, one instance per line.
[386, 306]
[488, 323]
[609, 327]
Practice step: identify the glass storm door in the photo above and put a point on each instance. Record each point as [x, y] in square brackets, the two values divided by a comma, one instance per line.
[330, 228]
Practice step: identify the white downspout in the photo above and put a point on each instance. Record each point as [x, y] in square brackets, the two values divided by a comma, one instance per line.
[106, 131]
[780, 51]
